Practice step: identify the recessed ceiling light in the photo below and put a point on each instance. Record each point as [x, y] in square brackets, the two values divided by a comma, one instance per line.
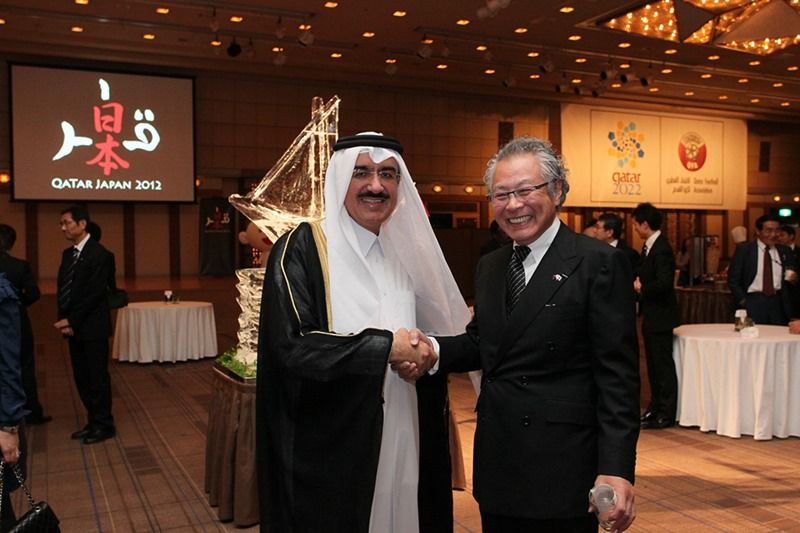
[653, 89]
[489, 71]
[368, 34]
[469, 189]
[76, 29]
[743, 80]
[755, 100]
[567, 9]
[723, 97]
[624, 65]
[705, 76]
[754, 63]
[277, 49]
[535, 76]
[777, 84]
[399, 14]
[624, 45]
[670, 51]
[2, 21]
[533, 54]
[304, 27]
[576, 80]
[713, 57]
[426, 40]
[236, 18]
[149, 36]
[792, 68]
[777, 198]
[666, 71]
[331, 5]
[391, 61]
[574, 37]
[616, 85]
[580, 60]
[441, 66]
[785, 104]
[336, 55]
[462, 22]
[162, 10]
[521, 30]
[82, 2]
[481, 48]
[437, 188]
[216, 42]
[688, 93]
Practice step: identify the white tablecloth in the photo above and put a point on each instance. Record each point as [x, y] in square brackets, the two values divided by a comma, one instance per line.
[158, 331]
[737, 386]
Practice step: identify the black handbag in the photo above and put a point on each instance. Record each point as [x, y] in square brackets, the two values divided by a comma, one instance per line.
[117, 298]
[40, 518]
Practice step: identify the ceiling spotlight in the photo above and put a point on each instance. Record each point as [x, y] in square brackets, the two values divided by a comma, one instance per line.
[424, 51]
[306, 38]
[625, 77]
[608, 73]
[561, 88]
[646, 81]
[234, 49]
[214, 23]
[596, 91]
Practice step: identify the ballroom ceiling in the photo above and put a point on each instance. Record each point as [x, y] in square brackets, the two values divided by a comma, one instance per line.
[590, 50]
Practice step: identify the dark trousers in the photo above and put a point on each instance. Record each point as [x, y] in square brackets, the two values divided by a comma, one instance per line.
[765, 309]
[90, 370]
[495, 523]
[7, 517]
[28, 368]
[661, 373]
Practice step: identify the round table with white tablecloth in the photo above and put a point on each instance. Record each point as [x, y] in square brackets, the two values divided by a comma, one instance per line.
[165, 332]
[735, 385]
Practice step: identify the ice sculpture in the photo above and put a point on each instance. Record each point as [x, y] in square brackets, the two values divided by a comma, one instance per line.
[290, 193]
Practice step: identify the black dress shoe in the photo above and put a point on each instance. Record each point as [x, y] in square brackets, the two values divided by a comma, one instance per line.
[99, 435]
[647, 416]
[81, 433]
[658, 423]
[37, 420]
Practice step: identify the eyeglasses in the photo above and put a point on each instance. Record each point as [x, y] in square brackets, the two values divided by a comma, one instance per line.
[521, 193]
[388, 174]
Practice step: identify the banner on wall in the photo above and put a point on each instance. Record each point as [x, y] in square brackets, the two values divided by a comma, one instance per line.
[620, 158]
[216, 236]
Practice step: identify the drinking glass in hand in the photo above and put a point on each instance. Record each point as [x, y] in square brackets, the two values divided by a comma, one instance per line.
[603, 498]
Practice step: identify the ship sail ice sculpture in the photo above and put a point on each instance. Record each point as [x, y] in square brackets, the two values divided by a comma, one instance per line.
[290, 193]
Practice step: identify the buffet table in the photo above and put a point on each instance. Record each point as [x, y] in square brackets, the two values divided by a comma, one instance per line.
[165, 332]
[733, 385]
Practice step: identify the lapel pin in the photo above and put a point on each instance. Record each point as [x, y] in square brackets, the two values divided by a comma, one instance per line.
[557, 277]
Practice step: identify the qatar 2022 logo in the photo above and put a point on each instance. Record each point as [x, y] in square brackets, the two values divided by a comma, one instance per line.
[626, 144]
[692, 151]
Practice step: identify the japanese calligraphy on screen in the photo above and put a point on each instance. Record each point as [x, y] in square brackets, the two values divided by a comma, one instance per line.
[89, 135]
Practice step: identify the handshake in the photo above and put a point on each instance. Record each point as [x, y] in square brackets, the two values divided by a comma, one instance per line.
[412, 354]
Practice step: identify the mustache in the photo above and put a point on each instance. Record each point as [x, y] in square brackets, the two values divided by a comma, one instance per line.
[368, 194]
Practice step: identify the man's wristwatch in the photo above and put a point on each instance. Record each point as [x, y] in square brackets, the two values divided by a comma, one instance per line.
[10, 429]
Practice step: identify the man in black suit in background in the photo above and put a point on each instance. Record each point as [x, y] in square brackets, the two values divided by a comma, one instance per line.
[759, 273]
[20, 275]
[554, 332]
[655, 285]
[85, 320]
[609, 230]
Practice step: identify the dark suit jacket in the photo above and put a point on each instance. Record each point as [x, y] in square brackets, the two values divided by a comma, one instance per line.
[88, 311]
[658, 303]
[560, 395]
[20, 275]
[744, 267]
[630, 253]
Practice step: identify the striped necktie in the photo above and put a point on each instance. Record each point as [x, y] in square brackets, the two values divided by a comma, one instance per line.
[66, 285]
[515, 277]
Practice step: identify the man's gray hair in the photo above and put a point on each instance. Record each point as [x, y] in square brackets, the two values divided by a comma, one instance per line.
[551, 164]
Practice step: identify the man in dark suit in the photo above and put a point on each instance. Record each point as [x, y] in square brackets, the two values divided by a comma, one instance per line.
[554, 333]
[85, 320]
[786, 237]
[609, 230]
[655, 285]
[20, 275]
[759, 272]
